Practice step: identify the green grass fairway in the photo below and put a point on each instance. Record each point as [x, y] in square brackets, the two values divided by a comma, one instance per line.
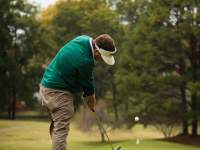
[33, 135]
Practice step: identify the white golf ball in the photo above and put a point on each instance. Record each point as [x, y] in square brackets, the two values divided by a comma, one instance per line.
[137, 118]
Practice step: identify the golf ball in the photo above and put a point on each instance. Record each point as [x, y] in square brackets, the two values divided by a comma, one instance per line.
[137, 118]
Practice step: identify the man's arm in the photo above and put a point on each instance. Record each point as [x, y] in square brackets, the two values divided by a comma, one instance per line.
[87, 83]
[91, 101]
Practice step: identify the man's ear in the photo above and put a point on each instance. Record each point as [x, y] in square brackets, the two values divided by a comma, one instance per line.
[96, 52]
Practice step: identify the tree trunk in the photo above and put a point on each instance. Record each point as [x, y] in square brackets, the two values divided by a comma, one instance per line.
[13, 115]
[115, 103]
[194, 62]
[4, 82]
[114, 97]
[126, 107]
[101, 131]
[13, 101]
[9, 106]
[184, 108]
[195, 116]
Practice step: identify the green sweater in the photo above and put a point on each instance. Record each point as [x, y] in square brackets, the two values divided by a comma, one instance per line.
[72, 67]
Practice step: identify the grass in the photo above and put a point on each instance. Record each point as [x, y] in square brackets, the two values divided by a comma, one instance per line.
[33, 135]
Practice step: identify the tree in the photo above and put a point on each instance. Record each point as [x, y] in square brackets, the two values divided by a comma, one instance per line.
[184, 22]
[21, 41]
[14, 14]
[159, 46]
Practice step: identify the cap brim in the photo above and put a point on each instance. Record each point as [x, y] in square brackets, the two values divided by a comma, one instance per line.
[108, 59]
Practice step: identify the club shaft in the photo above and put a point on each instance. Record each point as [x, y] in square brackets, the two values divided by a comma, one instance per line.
[100, 125]
[104, 131]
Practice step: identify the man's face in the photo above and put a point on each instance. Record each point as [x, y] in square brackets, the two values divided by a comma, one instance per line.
[97, 55]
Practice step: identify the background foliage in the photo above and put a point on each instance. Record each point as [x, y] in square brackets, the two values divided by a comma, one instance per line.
[157, 74]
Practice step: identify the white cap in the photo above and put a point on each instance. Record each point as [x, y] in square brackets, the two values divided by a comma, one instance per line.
[106, 55]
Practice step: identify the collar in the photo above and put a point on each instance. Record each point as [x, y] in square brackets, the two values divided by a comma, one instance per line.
[92, 48]
[91, 45]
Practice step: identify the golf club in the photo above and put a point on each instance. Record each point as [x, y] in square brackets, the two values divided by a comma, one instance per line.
[103, 129]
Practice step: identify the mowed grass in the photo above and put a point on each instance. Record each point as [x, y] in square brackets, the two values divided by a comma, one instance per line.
[33, 135]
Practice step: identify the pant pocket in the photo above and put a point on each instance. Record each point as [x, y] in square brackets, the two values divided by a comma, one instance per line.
[50, 99]
[65, 107]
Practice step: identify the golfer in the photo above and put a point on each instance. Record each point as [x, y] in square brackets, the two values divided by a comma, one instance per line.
[70, 71]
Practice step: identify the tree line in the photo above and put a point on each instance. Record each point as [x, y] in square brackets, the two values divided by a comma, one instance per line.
[157, 72]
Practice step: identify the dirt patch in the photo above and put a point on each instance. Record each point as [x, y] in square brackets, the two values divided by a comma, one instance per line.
[188, 140]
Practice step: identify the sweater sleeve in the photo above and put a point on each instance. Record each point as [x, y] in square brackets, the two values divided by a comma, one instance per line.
[86, 78]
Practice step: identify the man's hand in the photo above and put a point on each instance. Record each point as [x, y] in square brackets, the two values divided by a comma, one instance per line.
[91, 101]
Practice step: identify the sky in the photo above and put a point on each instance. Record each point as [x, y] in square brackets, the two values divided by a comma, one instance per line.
[43, 3]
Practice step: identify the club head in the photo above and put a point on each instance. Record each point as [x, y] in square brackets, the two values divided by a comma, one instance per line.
[117, 148]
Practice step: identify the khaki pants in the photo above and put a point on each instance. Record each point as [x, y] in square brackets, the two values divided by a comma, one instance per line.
[61, 109]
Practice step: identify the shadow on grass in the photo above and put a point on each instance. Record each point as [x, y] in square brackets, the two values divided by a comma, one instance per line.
[184, 139]
[103, 143]
[28, 118]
